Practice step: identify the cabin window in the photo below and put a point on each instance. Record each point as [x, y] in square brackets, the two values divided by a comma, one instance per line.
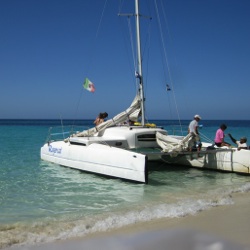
[146, 137]
[77, 143]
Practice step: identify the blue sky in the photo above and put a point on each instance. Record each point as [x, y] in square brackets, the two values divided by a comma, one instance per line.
[48, 47]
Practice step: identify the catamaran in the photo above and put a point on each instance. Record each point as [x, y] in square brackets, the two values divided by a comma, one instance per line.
[117, 149]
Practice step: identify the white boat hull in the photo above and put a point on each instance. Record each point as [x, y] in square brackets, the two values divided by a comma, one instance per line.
[230, 160]
[99, 159]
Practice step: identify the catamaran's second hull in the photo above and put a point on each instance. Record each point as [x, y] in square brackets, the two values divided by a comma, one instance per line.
[99, 159]
[229, 160]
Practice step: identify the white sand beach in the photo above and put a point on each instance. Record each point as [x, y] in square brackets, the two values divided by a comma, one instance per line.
[222, 227]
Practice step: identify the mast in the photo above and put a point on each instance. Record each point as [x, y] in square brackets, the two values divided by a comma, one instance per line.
[140, 77]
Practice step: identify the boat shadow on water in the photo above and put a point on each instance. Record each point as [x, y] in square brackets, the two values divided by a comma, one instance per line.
[161, 173]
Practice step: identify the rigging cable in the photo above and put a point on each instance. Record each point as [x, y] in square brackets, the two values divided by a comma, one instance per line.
[98, 29]
[92, 55]
[165, 55]
[130, 37]
[132, 41]
[148, 40]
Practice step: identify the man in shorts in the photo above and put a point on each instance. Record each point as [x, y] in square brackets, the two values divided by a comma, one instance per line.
[193, 129]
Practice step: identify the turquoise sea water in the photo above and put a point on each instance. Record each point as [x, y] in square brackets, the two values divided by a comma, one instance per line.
[42, 202]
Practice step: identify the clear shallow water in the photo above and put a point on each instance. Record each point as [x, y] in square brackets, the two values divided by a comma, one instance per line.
[40, 201]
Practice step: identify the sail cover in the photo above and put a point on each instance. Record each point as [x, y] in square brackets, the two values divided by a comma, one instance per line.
[131, 113]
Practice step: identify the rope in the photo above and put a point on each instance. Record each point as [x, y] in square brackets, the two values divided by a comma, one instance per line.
[205, 137]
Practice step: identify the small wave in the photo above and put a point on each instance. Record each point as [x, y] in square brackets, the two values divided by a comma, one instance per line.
[181, 209]
[244, 188]
[41, 232]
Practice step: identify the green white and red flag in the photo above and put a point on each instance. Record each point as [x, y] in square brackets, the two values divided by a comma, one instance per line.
[88, 85]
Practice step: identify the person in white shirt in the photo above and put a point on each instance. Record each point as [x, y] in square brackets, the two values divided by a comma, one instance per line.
[193, 129]
[242, 143]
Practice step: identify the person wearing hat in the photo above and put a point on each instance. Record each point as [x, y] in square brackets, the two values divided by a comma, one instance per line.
[242, 143]
[193, 129]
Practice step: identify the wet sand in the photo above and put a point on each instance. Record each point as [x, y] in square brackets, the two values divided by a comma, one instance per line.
[222, 227]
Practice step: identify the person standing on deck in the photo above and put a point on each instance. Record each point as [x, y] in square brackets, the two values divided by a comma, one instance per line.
[193, 129]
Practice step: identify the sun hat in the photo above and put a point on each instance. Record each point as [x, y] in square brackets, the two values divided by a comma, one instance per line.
[197, 116]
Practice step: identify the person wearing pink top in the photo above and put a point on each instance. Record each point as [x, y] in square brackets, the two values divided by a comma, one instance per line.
[219, 137]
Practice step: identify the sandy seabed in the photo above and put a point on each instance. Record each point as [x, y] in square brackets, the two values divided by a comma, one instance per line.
[219, 228]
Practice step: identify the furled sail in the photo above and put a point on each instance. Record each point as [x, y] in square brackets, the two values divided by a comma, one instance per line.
[173, 145]
[131, 113]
